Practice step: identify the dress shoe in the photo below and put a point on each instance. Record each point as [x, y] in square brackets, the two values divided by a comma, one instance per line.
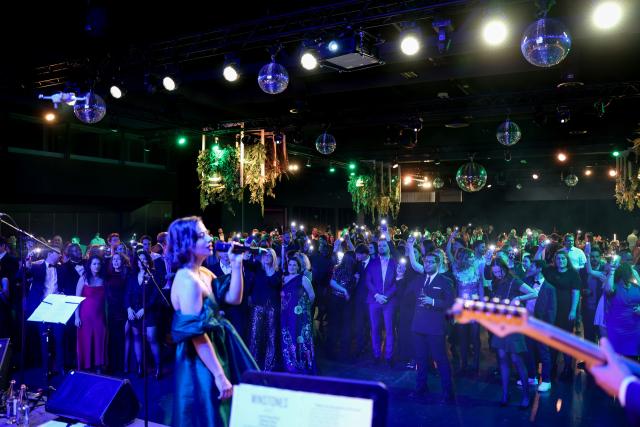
[505, 400]
[525, 402]
[448, 399]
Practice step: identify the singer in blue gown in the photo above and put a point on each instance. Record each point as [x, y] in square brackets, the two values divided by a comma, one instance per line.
[210, 355]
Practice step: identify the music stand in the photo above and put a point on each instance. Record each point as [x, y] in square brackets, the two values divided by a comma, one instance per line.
[54, 309]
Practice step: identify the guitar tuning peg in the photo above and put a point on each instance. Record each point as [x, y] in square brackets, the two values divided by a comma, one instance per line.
[506, 301]
[495, 300]
[517, 303]
[486, 299]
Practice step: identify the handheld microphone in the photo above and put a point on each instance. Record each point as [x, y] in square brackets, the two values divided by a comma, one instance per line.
[237, 249]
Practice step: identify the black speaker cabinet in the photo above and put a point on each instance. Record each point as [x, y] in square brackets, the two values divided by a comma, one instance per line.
[5, 361]
[95, 399]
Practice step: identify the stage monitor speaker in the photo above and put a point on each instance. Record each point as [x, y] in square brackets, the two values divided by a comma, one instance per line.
[5, 360]
[95, 400]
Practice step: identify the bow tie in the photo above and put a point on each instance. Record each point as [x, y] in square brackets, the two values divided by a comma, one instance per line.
[51, 266]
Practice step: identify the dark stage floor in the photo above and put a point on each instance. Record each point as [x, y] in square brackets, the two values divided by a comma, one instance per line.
[580, 403]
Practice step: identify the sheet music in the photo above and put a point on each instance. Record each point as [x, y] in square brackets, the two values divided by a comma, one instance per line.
[258, 406]
[56, 308]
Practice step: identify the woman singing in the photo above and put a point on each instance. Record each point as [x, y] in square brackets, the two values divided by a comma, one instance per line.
[210, 355]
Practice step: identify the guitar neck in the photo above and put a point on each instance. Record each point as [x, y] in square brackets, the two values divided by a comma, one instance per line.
[570, 344]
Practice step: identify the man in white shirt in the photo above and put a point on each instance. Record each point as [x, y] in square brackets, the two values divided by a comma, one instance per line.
[576, 255]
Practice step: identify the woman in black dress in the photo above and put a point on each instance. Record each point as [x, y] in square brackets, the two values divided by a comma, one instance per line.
[115, 287]
[508, 287]
[567, 282]
[264, 306]
[135, 309]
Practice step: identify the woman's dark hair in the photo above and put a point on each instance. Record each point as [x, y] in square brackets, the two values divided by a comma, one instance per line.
[349, 263]
[499, 262]
[624, 274]
[297, 261]
[143, 254]
[126, 264]
[563, 252]
[182, 240]
[87, 268]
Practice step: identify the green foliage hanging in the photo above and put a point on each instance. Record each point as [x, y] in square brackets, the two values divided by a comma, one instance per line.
[258, 175]
[219, 176]
[377, 194]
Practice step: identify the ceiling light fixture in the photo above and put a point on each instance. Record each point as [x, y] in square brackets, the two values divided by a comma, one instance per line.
[309, 61]
[169, 83]
[495, 32]
[607, 15]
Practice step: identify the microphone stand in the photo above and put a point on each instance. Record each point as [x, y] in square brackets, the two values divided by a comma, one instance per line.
[145, 379]
[22, 275]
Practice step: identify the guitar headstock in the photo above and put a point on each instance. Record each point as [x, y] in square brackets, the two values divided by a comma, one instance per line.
[499, 317]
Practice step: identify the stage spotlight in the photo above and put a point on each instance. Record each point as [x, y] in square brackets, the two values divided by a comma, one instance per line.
[333, 46]
[169, 83]
[588, 172]
[116, 91]
[395, 165]
[562, 157]
[613, 173]
[407, 180]
[230, 73]
[535, 176]
[607, 15]
[495, 32]
[309, 61]
[50, 117]
[410, 44]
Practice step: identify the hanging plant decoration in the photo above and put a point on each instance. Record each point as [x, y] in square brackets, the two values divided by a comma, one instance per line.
[224, 173]
[219, 176]
[376, 192]
[628, 177]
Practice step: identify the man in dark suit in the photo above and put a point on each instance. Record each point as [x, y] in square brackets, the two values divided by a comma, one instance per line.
[44, 282]
[544, 308]
[434, 296]
[382, 290]
[361, 308]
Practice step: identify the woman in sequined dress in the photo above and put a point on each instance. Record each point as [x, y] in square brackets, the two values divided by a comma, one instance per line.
[264, 306]
[297, 321]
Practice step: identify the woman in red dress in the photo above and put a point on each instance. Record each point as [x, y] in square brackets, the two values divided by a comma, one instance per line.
[90, 318]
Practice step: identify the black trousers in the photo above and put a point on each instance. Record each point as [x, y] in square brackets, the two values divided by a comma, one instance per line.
[339, 315]
[361, 324]
[432, 347]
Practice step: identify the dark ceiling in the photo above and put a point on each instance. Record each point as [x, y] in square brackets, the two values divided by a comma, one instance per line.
[90, 42]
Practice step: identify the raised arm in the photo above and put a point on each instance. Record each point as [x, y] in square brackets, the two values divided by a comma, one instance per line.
[411, 253]
[234, 295]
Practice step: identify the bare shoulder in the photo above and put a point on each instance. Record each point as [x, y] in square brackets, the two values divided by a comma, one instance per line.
[186, 292]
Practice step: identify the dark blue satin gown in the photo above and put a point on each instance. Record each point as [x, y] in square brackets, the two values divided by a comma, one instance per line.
[196, 400]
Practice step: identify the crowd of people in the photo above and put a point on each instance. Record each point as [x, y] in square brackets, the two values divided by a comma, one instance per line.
[379, 294]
